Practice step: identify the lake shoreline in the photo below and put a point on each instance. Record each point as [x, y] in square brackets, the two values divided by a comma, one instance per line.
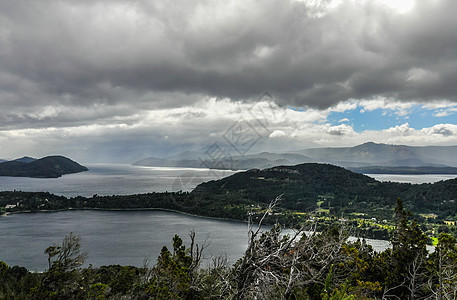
[121, 210]
[154, 209]
[124, 237]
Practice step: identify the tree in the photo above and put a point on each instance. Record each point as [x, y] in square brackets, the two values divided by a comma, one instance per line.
[60, 281]
[3, 268]
[407, 273]
[336, 294]
[277, 266]
[400, 219]
[171, 277]
[68, 255]
[443, 264]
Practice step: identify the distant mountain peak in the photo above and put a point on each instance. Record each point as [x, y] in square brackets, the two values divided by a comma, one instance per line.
[370, 144]
[26, 159]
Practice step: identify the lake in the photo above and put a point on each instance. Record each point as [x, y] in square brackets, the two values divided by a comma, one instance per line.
[416, 179]
[113, 237]
[118, 237]
[127, 237]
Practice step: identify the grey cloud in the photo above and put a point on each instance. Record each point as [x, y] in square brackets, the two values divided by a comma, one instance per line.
[443, 130]
[336, 131]
[160, 54]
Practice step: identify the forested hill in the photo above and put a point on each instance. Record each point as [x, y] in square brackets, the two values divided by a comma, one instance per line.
[295, 182]
[306, 187]
[46, 167]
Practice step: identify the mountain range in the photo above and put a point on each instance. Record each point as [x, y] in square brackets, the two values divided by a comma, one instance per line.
[46, 167]
[372, 154]
[382, 158]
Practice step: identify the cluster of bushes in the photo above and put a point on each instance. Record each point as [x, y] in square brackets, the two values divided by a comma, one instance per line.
[300, 266]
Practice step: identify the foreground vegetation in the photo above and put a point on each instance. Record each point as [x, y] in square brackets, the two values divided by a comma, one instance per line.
[299, 266]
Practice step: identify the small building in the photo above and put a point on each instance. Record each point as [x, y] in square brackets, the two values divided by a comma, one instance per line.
[449, 223]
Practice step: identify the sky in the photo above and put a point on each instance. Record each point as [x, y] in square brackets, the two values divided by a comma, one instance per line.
[118, 80]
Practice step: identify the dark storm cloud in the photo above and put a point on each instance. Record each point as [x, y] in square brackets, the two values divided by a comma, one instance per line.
[160, 54]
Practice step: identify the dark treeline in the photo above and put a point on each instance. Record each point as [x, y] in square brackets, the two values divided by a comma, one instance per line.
[298, 266]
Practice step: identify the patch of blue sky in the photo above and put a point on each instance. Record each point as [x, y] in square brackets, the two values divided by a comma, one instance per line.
[369, 120]
[427, 118]
[416, 116]
[299, 109]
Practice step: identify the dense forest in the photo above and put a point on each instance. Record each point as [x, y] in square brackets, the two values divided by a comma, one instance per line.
[343, 192]
[297, 266]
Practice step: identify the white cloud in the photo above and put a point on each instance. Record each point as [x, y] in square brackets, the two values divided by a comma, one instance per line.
[402, 6]
[443, 130]
[445, 112]
[388, 105]
[48, 112]
[438, 105]
[344, 106]
[401, 130]
[277, 133]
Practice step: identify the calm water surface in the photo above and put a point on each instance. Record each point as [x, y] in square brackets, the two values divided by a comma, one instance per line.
[118, 179]
[422, 178]
[113, 237]
[119, 237]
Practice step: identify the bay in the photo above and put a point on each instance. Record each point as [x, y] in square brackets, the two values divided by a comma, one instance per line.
[120, 237]
[114, 237]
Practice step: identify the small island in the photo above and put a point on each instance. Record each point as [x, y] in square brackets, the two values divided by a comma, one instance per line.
[46, 167]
